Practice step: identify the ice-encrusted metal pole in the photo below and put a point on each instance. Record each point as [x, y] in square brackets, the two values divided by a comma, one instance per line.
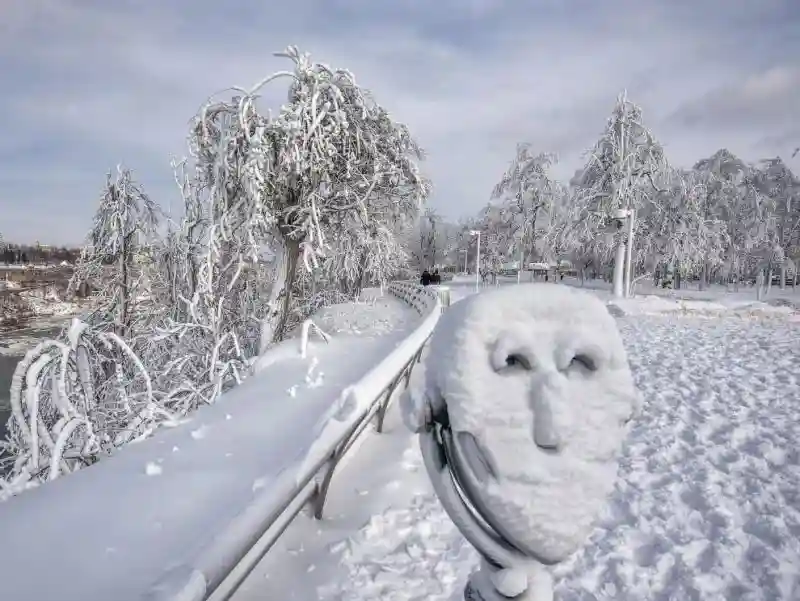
[524, 407]
[504, 572]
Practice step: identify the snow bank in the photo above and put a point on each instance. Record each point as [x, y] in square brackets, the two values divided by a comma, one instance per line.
[538, 376]
[373, 314]
[654, 305]
[168, 515]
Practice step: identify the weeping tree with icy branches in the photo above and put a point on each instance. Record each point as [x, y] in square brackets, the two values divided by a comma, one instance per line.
[74, 402]
[326, 152]
[622, 169]
[78, 398]
[123, 229]
[528, 190]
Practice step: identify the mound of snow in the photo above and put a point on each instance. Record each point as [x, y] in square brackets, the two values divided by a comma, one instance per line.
[374, 315]
[655, 305]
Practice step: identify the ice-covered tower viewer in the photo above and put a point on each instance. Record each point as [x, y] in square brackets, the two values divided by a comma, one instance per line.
[523, 413]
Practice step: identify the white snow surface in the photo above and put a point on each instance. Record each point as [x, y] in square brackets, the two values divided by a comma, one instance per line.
[654, 305]
[548, 497]
[706, 505]
[159, 508]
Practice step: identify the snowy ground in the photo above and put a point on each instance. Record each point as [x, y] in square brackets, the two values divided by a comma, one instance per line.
[160, 503]
[707, 505]
[746, 295]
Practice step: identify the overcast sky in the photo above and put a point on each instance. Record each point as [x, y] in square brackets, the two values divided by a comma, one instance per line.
[88, 84]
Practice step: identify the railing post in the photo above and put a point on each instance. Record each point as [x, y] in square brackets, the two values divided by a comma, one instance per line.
[385, 402]
[321, 490]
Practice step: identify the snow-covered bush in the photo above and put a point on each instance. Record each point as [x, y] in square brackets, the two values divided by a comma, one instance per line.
[68, 399]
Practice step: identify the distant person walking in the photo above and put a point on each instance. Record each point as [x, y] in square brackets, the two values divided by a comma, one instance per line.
[425, 280]
[436, 278]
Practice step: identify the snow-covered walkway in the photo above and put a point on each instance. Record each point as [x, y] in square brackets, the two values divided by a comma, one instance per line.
[707, 505]
[157, 505]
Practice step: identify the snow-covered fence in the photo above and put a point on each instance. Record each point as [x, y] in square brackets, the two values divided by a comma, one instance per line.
[420, 297]
[444, 296]
[367, 399]
[190, 512]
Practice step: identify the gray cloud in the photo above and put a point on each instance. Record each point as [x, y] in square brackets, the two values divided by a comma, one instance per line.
[89, 83]
[765, 100]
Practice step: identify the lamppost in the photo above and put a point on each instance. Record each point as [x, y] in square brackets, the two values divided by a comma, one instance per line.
[477, 260]
[523, 475]
[624, 256]
[466, 256]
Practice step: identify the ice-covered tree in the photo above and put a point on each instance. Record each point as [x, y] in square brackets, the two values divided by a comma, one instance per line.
[361, 254]
[261, 194]
[496, 240]
[677, 234]
[730, 197]
[624, 159]
[527, 190]
[122, 232]
[429, 240]
[775, 180]
[325, 153]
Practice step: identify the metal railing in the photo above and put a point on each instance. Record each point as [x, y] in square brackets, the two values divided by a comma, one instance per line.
[229, 564]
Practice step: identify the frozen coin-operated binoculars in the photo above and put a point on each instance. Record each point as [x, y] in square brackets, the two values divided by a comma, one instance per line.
[521, 419]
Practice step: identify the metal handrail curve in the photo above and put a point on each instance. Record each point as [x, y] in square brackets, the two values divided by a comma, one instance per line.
[225, 575]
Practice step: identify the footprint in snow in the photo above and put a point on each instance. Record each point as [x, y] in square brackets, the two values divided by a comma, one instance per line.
[200, 433]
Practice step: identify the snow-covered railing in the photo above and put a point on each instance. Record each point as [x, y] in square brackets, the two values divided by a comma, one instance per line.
[148, 524]
[421, 297]
[370, 398]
